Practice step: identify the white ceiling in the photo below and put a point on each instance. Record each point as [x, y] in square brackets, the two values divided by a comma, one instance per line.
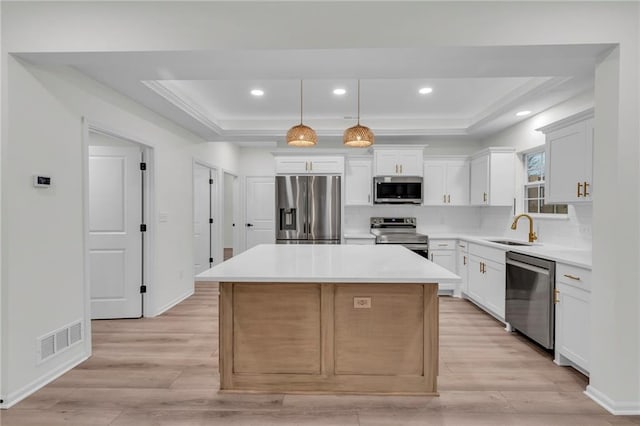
[476, 90]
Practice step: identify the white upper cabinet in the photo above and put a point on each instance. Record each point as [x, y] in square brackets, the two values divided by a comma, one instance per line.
[493, 177]
[397, 161]
[446, 182]
[569, 159]
[358, 182]
[309, 165]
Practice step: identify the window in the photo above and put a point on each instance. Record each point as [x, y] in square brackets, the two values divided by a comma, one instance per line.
[534, 186]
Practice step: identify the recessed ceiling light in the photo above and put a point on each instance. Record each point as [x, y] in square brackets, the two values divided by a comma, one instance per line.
[522, 113]
[425, 90]
[257, 92]
[339, 91]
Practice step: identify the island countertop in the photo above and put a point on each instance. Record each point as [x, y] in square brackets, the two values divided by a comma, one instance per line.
[312, 263]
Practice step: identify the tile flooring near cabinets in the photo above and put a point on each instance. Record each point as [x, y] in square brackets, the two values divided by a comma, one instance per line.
[163, 371]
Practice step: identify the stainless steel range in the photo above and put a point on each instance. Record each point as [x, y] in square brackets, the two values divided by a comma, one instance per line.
[400, 230]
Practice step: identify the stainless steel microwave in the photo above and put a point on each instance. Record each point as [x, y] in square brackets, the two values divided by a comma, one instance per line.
[397, 190]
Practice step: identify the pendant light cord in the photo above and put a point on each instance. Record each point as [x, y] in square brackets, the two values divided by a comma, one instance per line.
[300, 102]
[358, 102]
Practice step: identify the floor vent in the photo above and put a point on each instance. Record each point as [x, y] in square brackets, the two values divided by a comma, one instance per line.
[59, 340]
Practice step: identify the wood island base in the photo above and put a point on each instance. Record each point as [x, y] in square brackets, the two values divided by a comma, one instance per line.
[329, 338]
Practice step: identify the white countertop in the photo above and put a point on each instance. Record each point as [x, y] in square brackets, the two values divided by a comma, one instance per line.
[328, 263]
[562, 254]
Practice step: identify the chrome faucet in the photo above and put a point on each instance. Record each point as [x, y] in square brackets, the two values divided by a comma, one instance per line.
[532, 235]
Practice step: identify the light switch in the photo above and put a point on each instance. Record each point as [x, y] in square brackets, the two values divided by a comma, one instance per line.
[362, 302]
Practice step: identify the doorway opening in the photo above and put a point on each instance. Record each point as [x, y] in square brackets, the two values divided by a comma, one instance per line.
[117, 208]
[205, 234]
[230, 215]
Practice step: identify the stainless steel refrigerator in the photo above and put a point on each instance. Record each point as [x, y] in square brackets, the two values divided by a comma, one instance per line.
[308, 209]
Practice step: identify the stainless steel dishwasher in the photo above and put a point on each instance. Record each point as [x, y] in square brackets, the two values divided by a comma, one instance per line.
[529, 306]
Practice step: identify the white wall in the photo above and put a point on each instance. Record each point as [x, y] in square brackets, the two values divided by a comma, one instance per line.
[115, 26]
[44, 227]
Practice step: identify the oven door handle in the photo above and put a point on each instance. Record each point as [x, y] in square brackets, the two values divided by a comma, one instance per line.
[528, 267]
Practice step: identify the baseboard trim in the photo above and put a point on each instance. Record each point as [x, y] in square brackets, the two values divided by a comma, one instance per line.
[17, 396]
[173, 303]
[618, 408]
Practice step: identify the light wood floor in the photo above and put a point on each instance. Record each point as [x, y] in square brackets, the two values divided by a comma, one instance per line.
[163, 371]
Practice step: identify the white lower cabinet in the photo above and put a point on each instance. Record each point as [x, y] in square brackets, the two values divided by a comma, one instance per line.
[573, 294]
[487, 278]
[443, 253]
[462, 266]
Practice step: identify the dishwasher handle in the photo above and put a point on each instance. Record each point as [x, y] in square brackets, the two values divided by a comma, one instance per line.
[527, 266]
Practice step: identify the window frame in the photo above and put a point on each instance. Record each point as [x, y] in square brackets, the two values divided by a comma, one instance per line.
[540, 184]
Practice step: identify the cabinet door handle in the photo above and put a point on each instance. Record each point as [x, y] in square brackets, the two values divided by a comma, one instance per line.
[572, 277]
[310, 165]
[449, 198]
[579, 190]
[461, 246]
[586, 192]
[484, 197]
[480, 267]
[556, 296]
[369, 198]
[464, 260]
[432, 257]
[400, 168]
[444, 198]
[443, 245]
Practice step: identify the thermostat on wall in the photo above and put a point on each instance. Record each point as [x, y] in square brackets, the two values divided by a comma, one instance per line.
[41, 181]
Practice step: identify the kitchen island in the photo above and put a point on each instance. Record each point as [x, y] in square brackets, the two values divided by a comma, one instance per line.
[329, 319]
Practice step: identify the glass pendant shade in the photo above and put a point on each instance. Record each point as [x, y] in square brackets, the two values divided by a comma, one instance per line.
[301, 135]
[358, 136]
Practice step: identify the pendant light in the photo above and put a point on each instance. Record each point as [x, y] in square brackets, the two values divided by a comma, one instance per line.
[358, 136]
[301, 135]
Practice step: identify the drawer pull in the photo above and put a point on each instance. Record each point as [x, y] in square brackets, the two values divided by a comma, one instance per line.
[572, 277]
[556, 296]
[443, 245]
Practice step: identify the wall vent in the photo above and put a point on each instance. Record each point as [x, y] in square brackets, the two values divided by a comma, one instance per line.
[59, 340]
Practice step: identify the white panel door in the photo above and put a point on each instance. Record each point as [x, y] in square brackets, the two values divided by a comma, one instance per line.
[260, 213]
[115, 242]
[202, 212]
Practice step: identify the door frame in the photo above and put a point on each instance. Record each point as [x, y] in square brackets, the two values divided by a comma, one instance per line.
[215, 248]
[149, 213]
[237, 219]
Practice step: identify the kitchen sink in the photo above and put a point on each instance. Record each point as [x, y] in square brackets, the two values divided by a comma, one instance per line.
[510, 243]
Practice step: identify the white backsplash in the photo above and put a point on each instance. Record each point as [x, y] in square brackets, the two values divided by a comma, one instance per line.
[430, 220]
[572, 231]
